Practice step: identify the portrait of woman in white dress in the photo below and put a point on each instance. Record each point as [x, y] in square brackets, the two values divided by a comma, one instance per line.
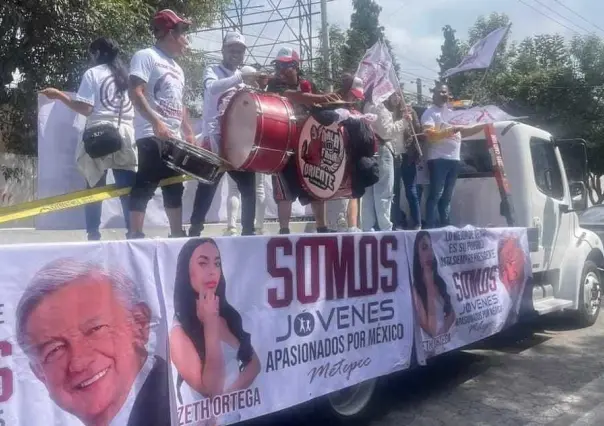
[209, 347]
[432, 302]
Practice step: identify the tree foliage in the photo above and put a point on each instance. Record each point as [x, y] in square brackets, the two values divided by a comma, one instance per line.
[556, 83]
[46, 40]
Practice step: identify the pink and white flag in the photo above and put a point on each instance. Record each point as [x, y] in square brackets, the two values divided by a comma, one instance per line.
[377, 72]
[479, 114]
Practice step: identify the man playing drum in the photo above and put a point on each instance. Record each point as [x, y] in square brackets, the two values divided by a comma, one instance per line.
[218, 80]
[286, 185]
[156, 87]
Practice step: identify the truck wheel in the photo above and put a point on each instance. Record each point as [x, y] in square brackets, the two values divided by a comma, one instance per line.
[590, 293]
[352, 403]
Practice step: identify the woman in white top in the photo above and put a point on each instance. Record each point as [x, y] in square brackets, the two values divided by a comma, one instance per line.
[376, 203]
[209, 347]
[103, 98]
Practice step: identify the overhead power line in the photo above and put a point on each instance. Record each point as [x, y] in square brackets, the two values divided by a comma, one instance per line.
[578, 15]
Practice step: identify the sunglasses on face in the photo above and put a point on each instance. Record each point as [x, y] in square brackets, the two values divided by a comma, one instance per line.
[286, 65]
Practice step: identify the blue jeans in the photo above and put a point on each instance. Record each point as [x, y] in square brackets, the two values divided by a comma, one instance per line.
[376, 203]
[413, 192]
[443, 175]
[123, 179]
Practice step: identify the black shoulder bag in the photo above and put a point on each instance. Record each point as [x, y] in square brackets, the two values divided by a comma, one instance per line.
[103, 139]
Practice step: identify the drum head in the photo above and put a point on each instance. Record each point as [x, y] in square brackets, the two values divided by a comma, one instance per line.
[321, 158]
[239, 128]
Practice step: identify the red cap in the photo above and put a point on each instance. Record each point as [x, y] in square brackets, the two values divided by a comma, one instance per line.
[167, 20]
[287, 54]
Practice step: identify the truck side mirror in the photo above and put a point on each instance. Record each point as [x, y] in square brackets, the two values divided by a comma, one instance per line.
[578, 194]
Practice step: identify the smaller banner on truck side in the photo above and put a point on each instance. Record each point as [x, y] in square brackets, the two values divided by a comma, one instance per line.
[216, 331]
[467, 284]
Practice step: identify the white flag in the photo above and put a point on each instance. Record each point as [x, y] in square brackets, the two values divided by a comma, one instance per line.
[377, 72]
[481, 53]
[480, 114]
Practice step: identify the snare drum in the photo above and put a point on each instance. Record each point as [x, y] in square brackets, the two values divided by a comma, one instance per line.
[191, 160]
[258, 132]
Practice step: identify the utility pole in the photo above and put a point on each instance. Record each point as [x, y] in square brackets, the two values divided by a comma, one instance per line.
[420, 98]
[325, 41]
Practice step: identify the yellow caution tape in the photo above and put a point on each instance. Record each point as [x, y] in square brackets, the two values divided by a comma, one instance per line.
[71, 200]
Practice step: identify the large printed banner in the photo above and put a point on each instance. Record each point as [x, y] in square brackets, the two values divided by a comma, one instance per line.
[217, 331]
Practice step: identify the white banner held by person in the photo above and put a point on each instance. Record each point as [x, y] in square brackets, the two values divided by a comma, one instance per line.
[339, 311]
[480, 54]
[377, 72]
[58, 131]
[478, 277]
[481, 114]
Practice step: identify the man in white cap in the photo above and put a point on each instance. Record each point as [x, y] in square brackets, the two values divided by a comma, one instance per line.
[217, 80]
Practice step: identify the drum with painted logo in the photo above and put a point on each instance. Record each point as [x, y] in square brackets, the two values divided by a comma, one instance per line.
[191, 160]
[322, 161]
[259, 131]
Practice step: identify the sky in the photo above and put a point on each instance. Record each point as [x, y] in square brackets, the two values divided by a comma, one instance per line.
[415, 26]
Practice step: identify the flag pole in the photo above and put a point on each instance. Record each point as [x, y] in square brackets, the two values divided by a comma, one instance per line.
[400, 91]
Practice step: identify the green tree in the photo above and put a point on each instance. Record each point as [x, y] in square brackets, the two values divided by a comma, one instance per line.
[337, 43]
[450, 57]
[46, 41]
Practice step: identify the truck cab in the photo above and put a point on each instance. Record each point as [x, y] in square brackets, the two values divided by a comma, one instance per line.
[548, 187]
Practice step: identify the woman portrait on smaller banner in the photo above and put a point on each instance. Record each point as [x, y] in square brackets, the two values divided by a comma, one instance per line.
[209, 347]
[103, 99]
[432, 302]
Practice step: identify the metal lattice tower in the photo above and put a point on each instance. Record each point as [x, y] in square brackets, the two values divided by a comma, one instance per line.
[268, 25]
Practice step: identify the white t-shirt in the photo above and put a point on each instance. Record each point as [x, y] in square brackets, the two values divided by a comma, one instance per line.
[448, 148]
[164, 92]
[217, 83]
[98, 90]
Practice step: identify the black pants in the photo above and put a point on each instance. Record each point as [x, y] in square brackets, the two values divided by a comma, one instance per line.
[151, 170]
[246, 183]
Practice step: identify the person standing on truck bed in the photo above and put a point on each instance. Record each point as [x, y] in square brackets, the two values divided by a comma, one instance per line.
[442, 155]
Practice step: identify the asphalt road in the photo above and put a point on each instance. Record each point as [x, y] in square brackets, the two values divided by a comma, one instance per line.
[541, 373]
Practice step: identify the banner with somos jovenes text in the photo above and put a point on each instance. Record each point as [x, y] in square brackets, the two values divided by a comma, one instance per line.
[217, 331]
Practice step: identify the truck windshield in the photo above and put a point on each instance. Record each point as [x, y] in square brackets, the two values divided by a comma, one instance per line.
[475, 159]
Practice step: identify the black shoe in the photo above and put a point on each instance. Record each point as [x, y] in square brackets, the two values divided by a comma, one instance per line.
[248, 233]
[195, 231]
[324, 230]
[94, 236]
[284, 231]
[135, 235]
[180, 234]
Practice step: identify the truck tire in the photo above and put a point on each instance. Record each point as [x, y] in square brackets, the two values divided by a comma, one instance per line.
[353, 405]
[590, 293]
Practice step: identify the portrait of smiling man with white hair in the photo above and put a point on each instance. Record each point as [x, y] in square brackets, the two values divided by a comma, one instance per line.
[85, 330]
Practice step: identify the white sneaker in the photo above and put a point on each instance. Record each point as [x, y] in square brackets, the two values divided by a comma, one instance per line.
[354, 229]
[229, 232]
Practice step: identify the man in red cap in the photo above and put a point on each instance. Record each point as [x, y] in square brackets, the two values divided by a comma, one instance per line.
[157, 90]
[286, 185]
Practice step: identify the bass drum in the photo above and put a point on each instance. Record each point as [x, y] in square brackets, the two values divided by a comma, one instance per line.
[258, 132]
